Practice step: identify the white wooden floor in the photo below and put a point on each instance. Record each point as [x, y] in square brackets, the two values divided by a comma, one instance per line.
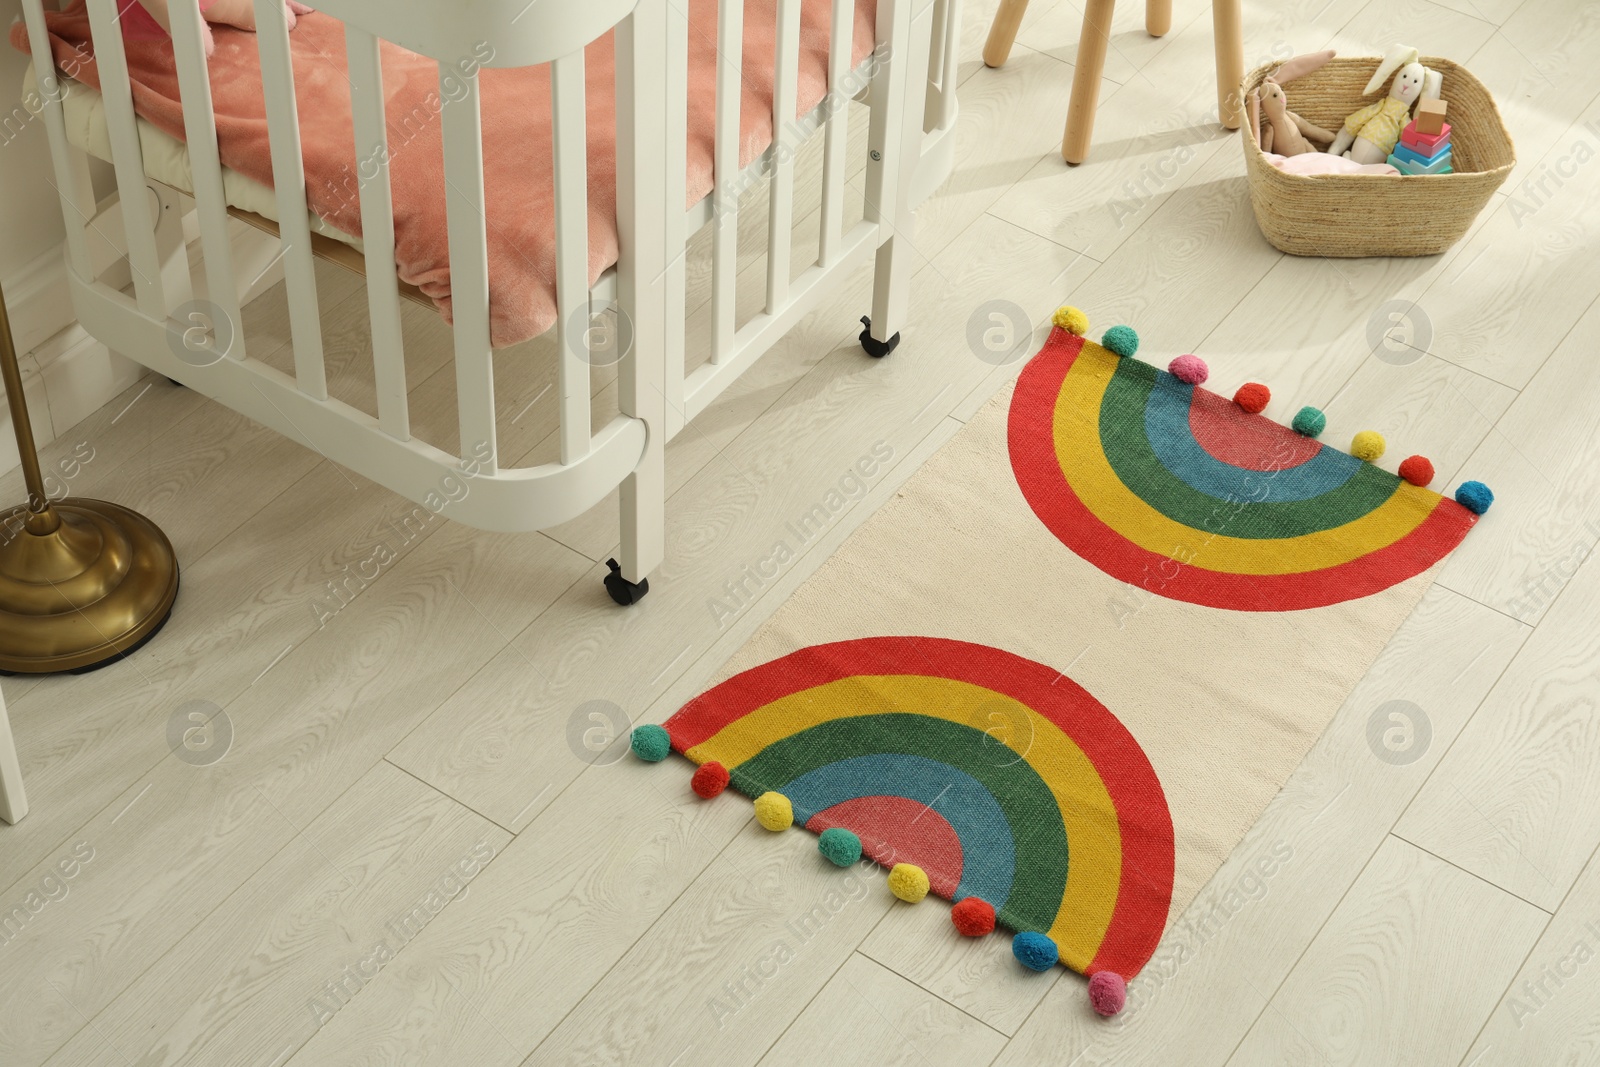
[406, 853]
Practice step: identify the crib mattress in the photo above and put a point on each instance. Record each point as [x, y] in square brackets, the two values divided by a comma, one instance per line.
[166, 159]
[517, 139]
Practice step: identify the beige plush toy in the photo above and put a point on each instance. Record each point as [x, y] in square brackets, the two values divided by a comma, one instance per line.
[1284, 132]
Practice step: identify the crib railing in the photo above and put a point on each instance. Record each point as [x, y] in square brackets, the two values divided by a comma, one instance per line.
[656, 396]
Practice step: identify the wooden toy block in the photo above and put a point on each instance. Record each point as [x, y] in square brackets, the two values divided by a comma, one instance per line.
[1426, 143]
[1430, 116]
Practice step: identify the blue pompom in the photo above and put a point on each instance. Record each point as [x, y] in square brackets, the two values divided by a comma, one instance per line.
[1035, 951]
[1121, 340]
[1475, 497]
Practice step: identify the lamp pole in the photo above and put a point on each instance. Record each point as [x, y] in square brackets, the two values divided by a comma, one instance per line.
[82, 582]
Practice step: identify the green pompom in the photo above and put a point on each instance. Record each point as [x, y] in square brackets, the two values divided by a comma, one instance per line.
[1309, 422]
[840, 846]
[1121, 340]
[650, 743]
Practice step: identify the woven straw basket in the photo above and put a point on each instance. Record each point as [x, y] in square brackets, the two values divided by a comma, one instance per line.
[1349, 215]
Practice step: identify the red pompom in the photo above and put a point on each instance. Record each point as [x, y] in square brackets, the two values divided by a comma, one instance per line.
[710, 778]
[1253, 397]
[1416, 470]
[973, 917]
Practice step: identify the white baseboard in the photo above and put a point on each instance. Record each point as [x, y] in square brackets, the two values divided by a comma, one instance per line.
[65, 379]
[38, 301]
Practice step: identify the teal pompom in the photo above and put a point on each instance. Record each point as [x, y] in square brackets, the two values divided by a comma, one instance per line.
[840, 846]
[650, 743]
[1475, 497]
[1035, 951]
[1121, 340]
[1309, 422]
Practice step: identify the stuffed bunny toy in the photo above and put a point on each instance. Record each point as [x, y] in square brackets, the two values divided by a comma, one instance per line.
[1282, 131]
[1369, 135]
[148, 19]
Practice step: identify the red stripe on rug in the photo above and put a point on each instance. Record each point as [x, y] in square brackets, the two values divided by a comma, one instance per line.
[885, 825]
[1234, 436]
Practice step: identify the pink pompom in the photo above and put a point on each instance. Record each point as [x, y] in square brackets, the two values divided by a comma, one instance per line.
[1108, 992]
[1191, 369]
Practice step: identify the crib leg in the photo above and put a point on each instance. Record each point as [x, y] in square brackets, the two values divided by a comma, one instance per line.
[641, 52]
[644, 527]
[895, 143]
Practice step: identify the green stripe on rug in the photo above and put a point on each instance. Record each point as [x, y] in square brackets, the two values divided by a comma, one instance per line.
[1122, 437]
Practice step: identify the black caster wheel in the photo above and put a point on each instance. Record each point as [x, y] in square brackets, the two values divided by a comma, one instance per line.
[874, 348]
[623, 591]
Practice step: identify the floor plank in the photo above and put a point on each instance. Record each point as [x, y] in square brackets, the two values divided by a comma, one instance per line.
[726, 969]
[867, 1016]
[287, 951]
[1517, 800]
[1544, 452]
[1547, 1015]
[186, 835]
[1413, 929]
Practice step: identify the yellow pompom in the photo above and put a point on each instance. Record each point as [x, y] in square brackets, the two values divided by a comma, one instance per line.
[908, 882]
[774, 811]
[1071, 319]
[1368, 445]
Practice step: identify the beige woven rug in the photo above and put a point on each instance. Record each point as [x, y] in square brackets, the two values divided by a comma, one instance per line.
[1065, 668]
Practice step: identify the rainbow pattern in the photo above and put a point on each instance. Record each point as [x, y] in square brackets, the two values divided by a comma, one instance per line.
[1175, 489]
[999, 776]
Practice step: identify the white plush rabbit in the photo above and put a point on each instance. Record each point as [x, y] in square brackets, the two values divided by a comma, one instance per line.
[1369, 135]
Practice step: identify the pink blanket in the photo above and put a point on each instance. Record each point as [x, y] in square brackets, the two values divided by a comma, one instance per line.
[518, 183]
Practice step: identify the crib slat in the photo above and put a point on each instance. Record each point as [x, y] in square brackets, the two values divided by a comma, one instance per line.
[572, 252]
[677, 235]
[377, 231]
[780, 210]
[838, 129]
[289, 181]
[469, 264]
[127, 158]
[205, 168]
[947, 45]
[72, 174]
[725, 246]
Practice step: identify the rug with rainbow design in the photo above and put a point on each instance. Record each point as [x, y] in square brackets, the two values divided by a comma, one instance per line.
[1056, 678]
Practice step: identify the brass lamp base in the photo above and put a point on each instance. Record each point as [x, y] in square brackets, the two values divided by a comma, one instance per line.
[81, 583]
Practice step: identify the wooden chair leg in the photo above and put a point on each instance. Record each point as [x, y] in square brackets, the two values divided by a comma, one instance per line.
[1091, 64]
[1157, 17]
[1228, 30]
[1003, 32]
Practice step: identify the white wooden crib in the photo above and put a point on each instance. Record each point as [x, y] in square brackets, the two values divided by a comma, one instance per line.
[912, 101]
